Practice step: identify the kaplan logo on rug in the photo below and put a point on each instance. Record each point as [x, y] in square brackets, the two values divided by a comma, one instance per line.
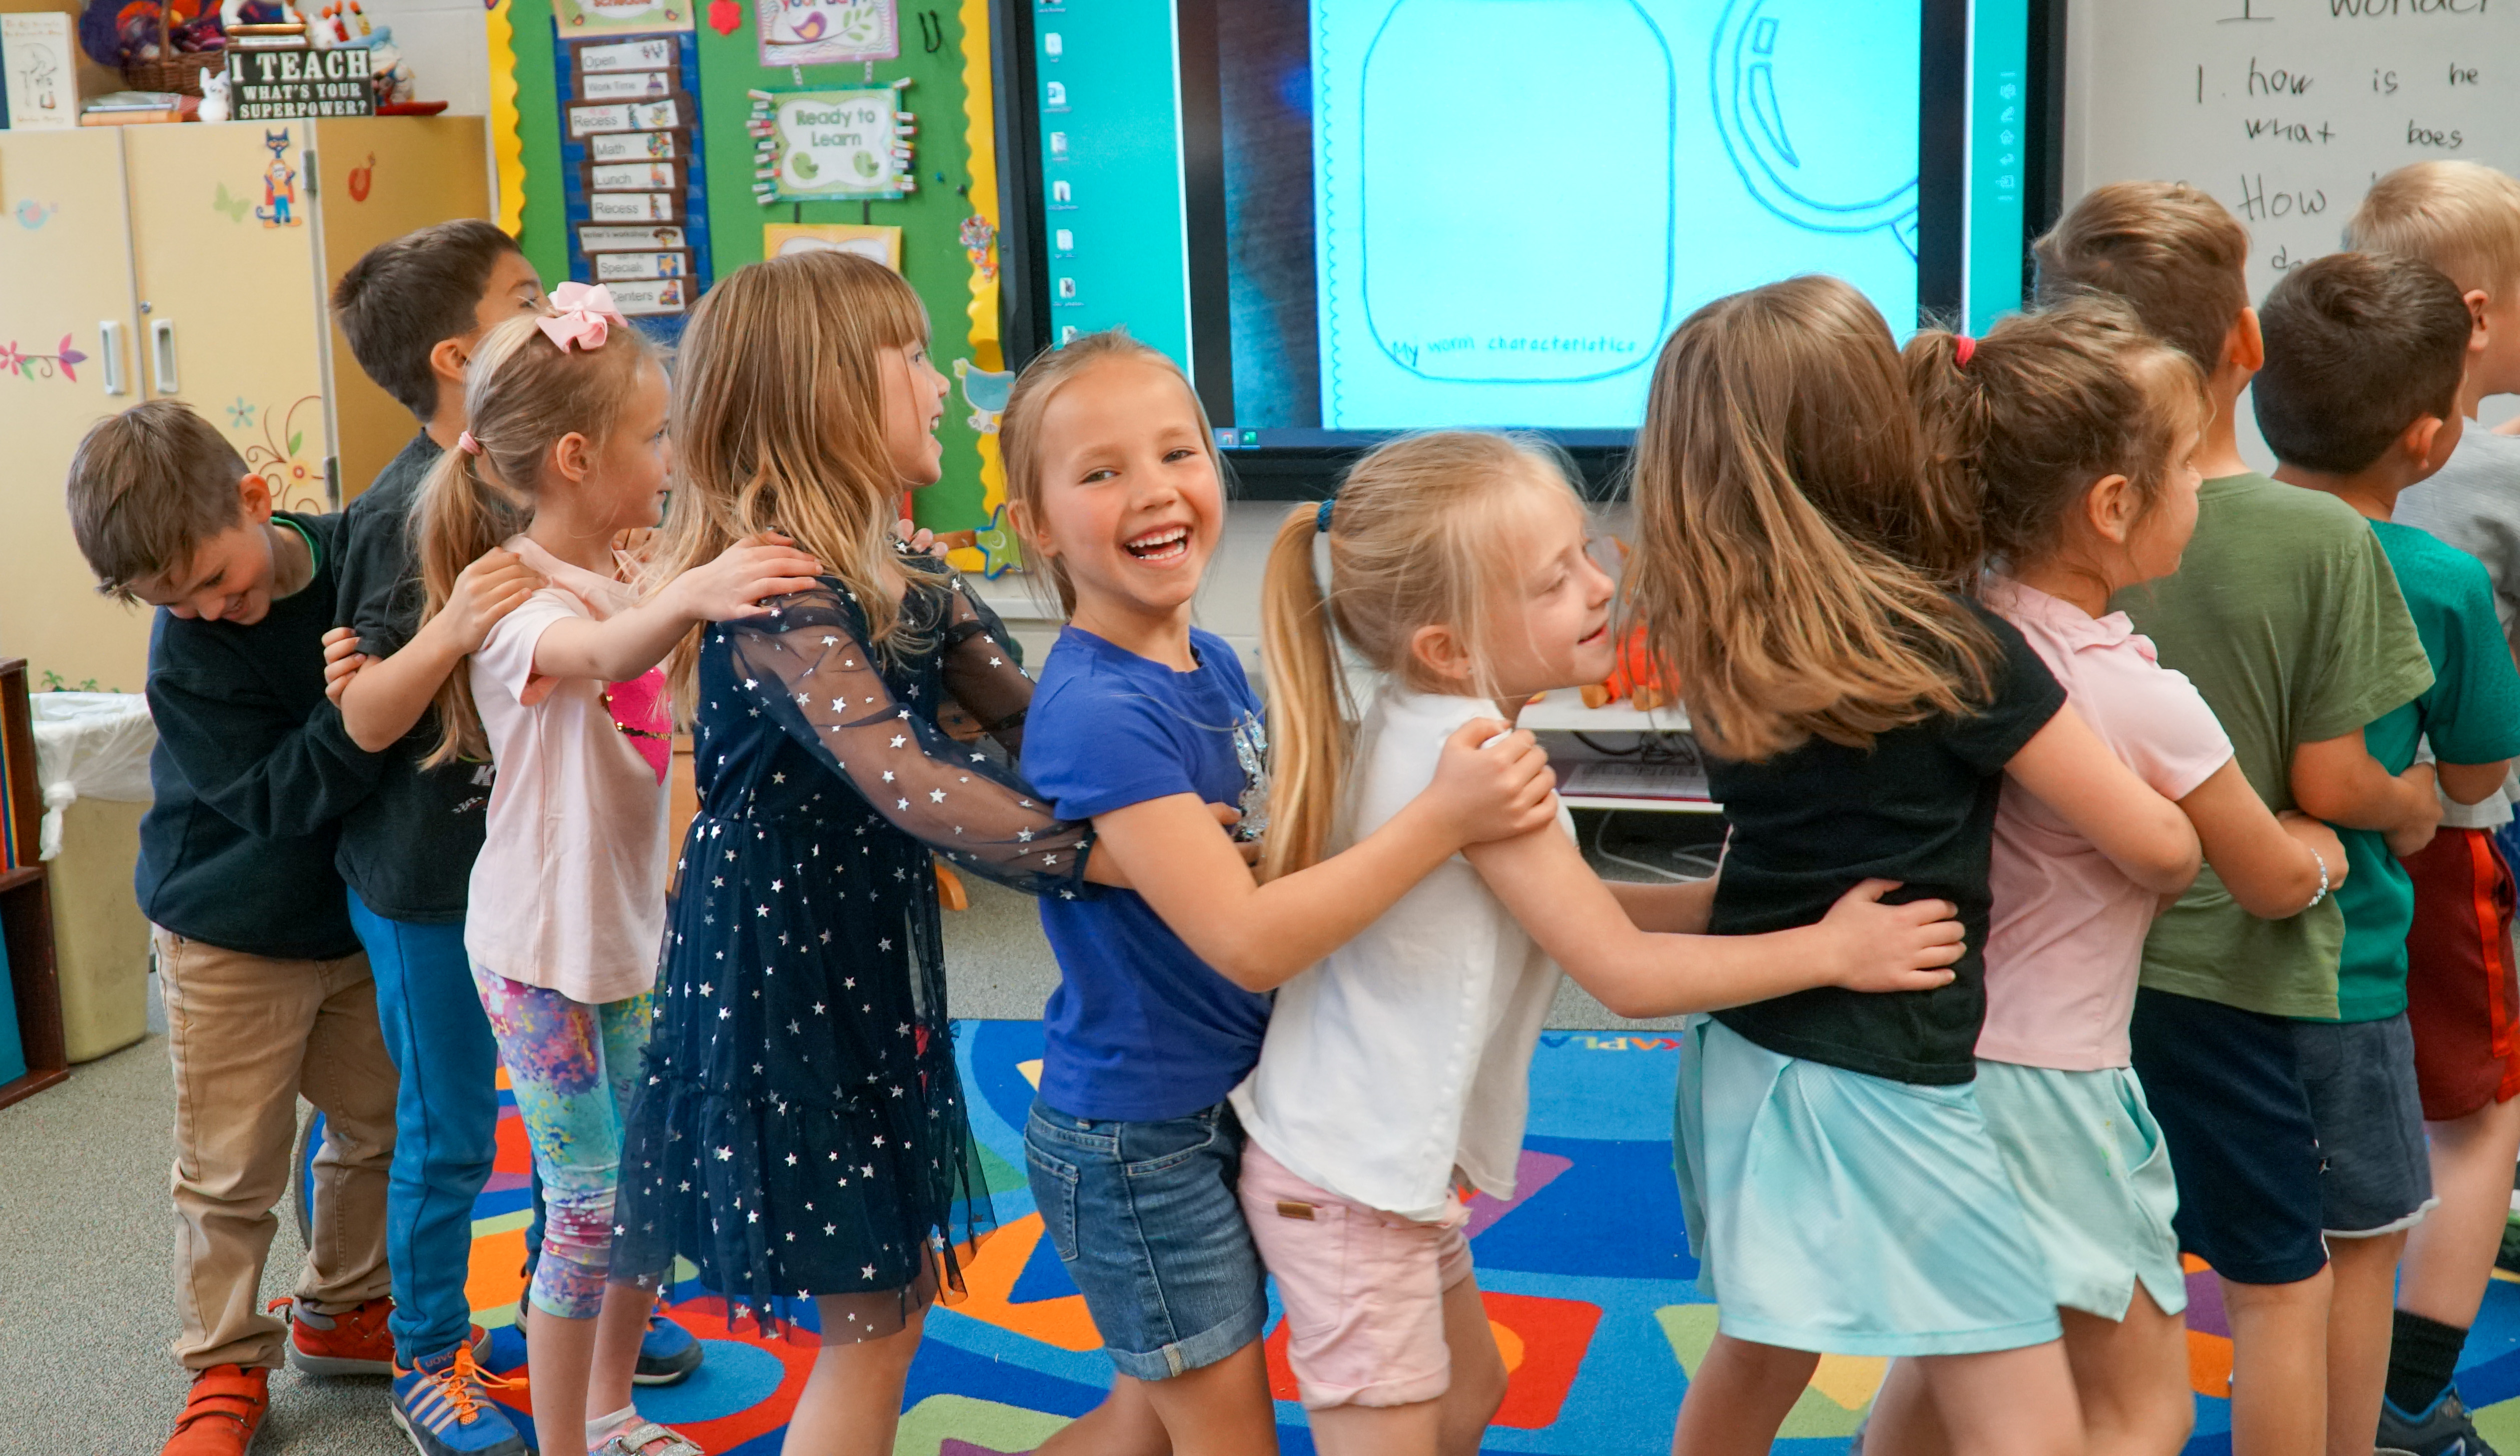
[272, 84]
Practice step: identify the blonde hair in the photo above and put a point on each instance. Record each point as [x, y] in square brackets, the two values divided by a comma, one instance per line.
[2046, 405]
[1798, 564]
[1020, 430]
[522, 395]
[2174, 253]
[2462, 217]
[1416, 538]
[779, 425]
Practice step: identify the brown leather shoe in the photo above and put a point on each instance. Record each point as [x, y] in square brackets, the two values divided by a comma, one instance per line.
[222, 1414]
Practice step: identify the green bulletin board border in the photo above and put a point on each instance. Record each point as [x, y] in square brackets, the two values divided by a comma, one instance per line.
[930, 219]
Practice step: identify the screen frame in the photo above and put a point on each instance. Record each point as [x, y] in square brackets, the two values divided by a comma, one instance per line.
[1309, 472]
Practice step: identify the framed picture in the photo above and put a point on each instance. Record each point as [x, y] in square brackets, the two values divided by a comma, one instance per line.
[834, 144]
[881, 243]
[822, 33]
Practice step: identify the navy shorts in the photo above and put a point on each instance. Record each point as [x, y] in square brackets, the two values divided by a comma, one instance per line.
[1145, 1219]
[2225, 1084]
[2360, 1080]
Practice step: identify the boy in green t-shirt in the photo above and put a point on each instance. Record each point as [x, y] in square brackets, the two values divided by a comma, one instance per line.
[2360, 400]
[2286, 617]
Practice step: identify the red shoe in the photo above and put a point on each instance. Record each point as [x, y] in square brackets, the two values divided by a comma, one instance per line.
[222, 1414]
[354, 1341]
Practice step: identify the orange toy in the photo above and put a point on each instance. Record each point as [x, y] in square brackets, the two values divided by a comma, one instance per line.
[1637, 678]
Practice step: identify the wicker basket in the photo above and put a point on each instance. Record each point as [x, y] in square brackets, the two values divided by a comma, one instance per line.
[179, 73]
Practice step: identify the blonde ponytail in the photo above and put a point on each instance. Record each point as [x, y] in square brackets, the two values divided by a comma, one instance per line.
[1421, 534]
[1308, 699]
[522, 394]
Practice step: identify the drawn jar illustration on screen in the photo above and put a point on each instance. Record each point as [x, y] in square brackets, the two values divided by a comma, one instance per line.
[1516, 198]
[1798, 86]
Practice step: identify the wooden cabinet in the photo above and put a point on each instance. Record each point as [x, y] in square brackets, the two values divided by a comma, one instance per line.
[193, 262]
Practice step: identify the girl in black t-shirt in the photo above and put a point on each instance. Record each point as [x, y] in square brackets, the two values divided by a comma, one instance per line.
[1808, 581]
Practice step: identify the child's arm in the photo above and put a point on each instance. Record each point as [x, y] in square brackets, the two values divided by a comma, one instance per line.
[1577, 919]
[1259, 936]
[269, 773]
[2337, 779]
[381, 697]
[2470, 783]
[627, 644]
[2143, 834]
[2269, 861]
[1674, 909]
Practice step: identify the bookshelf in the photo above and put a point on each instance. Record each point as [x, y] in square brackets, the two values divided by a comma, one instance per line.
[25, 903]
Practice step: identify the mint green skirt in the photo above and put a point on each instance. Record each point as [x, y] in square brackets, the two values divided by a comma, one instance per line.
[2095, 1179]
[1851, 1215]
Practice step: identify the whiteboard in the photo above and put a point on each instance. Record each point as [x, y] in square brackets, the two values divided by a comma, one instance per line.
[2287, 109]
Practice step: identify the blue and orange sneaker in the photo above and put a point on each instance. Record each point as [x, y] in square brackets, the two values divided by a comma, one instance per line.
[443, 1406]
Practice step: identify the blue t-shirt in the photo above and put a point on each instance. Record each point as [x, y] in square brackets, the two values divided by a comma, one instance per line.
[1139, 1027]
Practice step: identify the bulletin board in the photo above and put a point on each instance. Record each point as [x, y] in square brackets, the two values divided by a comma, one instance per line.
[940, 234]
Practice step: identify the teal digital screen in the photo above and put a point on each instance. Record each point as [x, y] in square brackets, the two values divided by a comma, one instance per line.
[1493, 212]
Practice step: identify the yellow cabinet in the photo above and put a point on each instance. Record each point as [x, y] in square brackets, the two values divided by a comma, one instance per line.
[193, 262]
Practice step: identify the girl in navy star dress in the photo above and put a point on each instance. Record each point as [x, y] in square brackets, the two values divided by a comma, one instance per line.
[800, 1129]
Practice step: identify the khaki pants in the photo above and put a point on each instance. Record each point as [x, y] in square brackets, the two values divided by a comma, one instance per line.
[248, 1035]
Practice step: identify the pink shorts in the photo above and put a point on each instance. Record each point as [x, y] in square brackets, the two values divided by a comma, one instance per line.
[1364, 1289]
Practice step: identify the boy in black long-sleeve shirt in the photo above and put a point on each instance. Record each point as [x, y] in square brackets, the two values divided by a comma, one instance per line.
[267, 992]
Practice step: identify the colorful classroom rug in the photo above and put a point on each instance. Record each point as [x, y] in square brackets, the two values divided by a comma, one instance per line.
[1588, 1284]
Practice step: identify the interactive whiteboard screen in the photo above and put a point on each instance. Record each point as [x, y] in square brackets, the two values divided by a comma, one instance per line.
[1351, 217]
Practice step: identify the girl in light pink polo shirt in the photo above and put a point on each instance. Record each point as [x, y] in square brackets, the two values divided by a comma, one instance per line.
[2076, 429]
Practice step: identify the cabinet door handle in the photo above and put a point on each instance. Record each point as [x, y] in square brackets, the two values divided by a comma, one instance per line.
[162, 353]
[109, 347]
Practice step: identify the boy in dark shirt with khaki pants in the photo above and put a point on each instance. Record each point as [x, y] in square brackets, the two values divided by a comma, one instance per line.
[267, 992]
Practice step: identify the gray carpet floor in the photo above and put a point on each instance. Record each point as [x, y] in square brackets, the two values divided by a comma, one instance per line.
[86, 1309]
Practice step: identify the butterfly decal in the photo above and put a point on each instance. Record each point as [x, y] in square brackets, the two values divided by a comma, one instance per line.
[230, 203]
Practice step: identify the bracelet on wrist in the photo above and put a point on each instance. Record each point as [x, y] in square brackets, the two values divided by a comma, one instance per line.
[2322, 861]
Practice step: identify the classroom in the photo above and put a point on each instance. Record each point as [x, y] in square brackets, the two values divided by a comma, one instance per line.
[1072, 727]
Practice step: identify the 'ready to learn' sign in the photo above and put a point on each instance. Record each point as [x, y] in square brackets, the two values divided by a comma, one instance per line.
[836, 144]
[268, 85]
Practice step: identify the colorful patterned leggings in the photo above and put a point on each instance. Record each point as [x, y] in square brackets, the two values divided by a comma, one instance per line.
[570, 1066]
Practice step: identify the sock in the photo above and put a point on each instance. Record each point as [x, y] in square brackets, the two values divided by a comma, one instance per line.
[2424, 1357]
[603, 1426]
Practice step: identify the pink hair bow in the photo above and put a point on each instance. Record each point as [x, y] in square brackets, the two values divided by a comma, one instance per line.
[582, 316]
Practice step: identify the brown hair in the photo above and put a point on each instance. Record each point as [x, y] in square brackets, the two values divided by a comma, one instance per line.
[404, 298]
[147, 487]
[1799, 566]
[1416, 538]
[1019, 427]
[2175, 255]
[2462, 217]
[2048, 404]
[522, 395]
[2359, 346]
[779, 425]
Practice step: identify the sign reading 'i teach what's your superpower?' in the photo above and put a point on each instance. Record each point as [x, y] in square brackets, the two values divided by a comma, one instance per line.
[269, 85]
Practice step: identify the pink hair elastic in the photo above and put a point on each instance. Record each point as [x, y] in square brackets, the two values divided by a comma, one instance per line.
[467, 444]
[1962, 346]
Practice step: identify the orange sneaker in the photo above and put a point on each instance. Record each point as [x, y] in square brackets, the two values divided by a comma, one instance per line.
[222, 1414]
[354, 1341]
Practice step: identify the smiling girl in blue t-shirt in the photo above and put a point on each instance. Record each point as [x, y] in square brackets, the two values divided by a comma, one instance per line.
[1143, 724]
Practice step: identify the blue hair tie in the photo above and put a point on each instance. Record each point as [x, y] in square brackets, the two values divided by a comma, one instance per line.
[1321, 517]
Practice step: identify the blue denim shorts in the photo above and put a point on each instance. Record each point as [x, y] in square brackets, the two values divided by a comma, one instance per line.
[1145, 1217]
[2360, 1077]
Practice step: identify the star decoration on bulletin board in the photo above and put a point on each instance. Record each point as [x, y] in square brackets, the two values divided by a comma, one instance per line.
[997, 546]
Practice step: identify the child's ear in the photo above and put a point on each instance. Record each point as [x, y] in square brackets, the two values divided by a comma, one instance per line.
[447, 359]
[1441, 651]
[253, 493]
[1030, 532]
[573, 457]
[2110, 508]
[2428, 442]
[2246, 345]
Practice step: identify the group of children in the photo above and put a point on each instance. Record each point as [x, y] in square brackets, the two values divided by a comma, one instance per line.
[2084, 900]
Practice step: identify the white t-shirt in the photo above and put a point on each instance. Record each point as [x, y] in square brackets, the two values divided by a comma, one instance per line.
[1407, 1052]
[569, 890]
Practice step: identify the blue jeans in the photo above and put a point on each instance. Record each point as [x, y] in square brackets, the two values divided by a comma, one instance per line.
[1145, 1220]
[446, 1121]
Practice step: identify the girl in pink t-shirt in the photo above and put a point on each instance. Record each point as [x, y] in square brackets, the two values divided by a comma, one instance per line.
[2076, 429]
[566, 453]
